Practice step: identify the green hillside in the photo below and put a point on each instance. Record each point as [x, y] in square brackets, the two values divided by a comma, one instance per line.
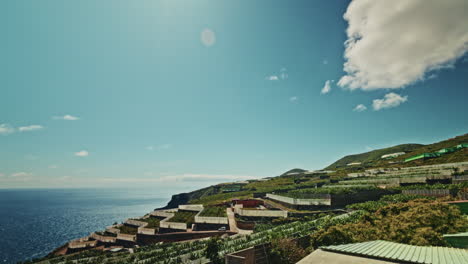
[293, 171]
[372, 156]
[216, 194]
[458, 156]
[373, 159]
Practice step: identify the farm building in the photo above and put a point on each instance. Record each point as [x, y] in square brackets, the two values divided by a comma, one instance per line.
[423, 156]
[463, 145]
[248, 203]
[382, 252]
[392, 155]
[231, 188]
[447, 150]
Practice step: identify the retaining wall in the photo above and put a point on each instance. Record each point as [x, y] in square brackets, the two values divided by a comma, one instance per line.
[146, 231]
[81, 244]
[210, 220]
[261, 213]
[295, 201]
[459, 179]
[191, 207]
[105, 239]
[136, 223]
[164, 214]
[113, 230]
[126, 237]
[172, 225]
[428, 192]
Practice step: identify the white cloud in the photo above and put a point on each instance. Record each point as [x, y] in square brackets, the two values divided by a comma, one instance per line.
[21, 174]
[392, 44]
[284, 74]
[327, 87]
[165, 146]
[208, 37]
[325, 62]
[82, 153]
[66, 117]
[160, 147]
[390, 100]
[30, 128]
[6, 129]
[293, 99]
[53, 167]
[150, 148]
[360, 108]
[181, 178]
[272, 78]
[2, 175]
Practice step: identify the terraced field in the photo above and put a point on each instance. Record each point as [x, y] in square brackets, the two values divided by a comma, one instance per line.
[180, 252]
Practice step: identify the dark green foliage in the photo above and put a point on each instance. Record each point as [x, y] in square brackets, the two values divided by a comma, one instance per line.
[125, 229]
[214, 211]
[285, 251]
[187, 217]
[212, 251]
[417, 222]
[454, 187]
[369, 206]
[303, 193]
[373, 155]
[153, 222]
[403, 198]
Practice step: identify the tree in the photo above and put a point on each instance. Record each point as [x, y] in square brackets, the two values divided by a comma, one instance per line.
[285, 251]
[418, 222]
[212, 251]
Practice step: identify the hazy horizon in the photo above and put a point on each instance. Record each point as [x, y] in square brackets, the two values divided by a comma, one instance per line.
[178, 95]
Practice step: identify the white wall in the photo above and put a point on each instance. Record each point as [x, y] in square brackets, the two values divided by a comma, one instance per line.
[210, 219]
[294, 201]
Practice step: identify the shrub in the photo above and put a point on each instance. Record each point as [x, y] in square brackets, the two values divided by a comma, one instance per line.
[417, 222]
[285, 251]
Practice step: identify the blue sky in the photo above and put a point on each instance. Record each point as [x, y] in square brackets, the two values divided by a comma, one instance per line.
[133, 93]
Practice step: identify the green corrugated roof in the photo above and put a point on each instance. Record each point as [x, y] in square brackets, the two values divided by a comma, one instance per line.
[402, 252]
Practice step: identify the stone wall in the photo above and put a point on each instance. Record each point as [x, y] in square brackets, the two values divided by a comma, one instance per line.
[252, 255]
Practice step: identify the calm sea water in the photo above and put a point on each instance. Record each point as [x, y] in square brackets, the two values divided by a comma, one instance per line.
[35, 221]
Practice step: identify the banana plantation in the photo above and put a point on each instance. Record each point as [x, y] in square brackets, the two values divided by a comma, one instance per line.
[193, 252]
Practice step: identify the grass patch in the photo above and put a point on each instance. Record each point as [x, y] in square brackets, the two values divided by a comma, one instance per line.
[214, 211]
[184, 217]
[153, 222]
[105, 233]
[124, 229]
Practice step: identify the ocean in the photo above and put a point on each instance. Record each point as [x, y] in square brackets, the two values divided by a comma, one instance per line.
[33, 222]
